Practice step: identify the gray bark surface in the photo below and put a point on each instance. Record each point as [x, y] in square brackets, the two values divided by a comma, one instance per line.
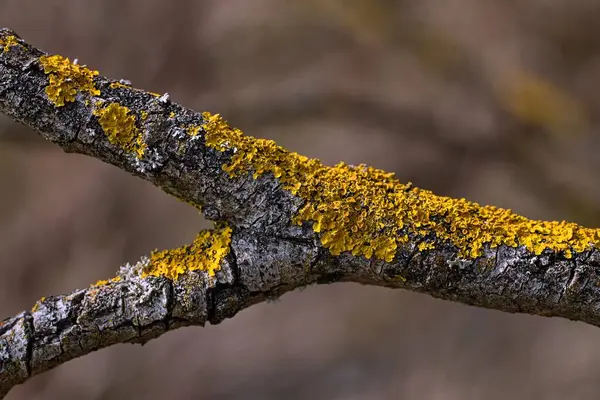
[268, 256]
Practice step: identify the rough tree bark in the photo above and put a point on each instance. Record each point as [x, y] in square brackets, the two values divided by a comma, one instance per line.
[283, 221]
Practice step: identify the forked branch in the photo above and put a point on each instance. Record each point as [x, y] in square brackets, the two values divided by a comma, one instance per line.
[283, 221]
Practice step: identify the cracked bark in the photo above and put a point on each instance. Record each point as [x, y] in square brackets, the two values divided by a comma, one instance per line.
[269, 255]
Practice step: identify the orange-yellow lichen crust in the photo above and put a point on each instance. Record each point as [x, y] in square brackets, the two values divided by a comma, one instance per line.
[37, 304]
[119, 85]
[205, 254]
[107, 281]
[66, 79]
[119, 126]
[367, 212]
[8, 42]
[193, 130]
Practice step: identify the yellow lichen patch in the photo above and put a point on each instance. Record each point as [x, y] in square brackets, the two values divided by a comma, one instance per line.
[8, 43]
[367, 212]
[193, 130]
[119, 126]
[425, 246]
[144, 115]
[103, 282]
[37, 304]
[119, 85]
[66, 79]
[205, 254]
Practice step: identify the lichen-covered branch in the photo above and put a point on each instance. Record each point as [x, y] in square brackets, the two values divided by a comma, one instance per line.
[282, 221]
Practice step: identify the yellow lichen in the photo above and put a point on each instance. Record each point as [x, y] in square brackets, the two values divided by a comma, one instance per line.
[425, 246]
[103, 282]
[119, 85]
[193, 130]
[369, 213]
[144, 115]
[7, 43]
[119, 126]
[66, 79]
[37, 305]
[205, 254]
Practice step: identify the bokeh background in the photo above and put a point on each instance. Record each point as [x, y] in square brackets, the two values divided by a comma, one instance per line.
[495, 101]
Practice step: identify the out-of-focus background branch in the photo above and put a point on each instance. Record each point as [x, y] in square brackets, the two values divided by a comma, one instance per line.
[494, 101]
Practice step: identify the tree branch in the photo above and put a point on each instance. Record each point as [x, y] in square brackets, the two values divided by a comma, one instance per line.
[283, 221]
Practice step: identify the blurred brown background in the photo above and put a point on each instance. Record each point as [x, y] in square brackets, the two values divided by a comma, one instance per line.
[496, 101]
